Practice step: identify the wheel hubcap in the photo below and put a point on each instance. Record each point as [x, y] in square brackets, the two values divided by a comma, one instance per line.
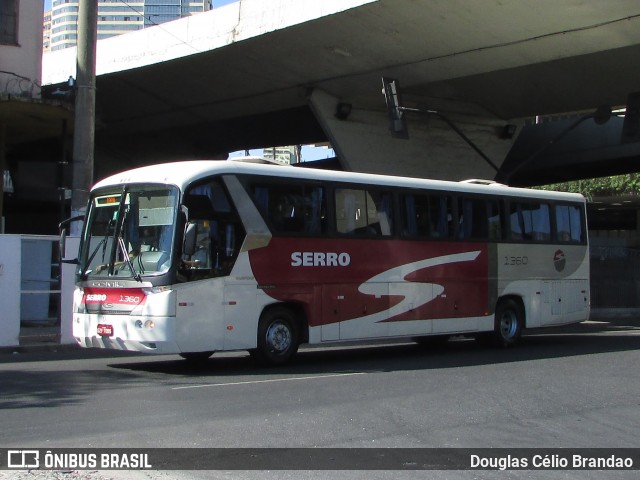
[278, 337]
[508, 324]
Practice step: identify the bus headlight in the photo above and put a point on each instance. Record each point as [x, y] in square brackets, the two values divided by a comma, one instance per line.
[148, 324]
[78, 300]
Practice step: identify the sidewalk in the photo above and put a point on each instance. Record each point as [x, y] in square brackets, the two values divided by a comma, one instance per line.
[44, 338]
[35, 337]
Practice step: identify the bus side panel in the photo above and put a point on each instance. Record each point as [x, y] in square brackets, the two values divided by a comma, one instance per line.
[377, 288]
[551, 280]
[199, 318]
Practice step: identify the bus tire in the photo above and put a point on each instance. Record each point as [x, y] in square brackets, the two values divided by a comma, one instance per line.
[509, 322]
[278, 337]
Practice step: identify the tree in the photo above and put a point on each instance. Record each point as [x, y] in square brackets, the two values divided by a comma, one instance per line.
[628, 184]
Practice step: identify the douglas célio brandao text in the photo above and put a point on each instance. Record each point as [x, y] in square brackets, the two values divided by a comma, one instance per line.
[551, 461]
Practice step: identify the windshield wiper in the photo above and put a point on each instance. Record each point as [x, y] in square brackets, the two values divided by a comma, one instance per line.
[117, 231]
[123, 249]
[103, 244]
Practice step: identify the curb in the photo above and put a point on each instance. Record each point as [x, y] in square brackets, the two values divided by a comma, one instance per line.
[41, 347]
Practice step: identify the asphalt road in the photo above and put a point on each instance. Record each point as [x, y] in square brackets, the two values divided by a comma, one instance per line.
[574, 388]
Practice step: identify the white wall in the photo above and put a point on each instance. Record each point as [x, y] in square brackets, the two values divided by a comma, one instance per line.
[68, 282]
[10, 265]
[21, 262]
[24, 60]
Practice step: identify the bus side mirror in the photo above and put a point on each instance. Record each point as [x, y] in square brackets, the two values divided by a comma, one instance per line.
[63, 239]
[190, 239]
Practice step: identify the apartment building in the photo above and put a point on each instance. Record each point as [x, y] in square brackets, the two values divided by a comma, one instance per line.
[116, 17]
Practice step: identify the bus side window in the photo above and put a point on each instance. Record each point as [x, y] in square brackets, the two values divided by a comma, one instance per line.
[410, 216]
[568, 223]
[473, 218]
[201, 214]
[363, 213]
[383, 204]
[530, 222]
[442, 215]
[427, 216]
[218, 230]
[494, 219]
[292, 208]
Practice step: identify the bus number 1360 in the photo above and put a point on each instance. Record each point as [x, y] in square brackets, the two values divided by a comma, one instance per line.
[516, 260]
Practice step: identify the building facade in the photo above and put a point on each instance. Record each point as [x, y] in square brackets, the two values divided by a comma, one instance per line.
[116, 17]
[32, 128]
[20, 48]
[287, 155]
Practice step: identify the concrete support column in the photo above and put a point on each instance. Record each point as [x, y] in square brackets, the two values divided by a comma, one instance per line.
[363, 142]
[84, 126]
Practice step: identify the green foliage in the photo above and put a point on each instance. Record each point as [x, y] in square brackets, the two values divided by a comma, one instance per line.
[628, 184]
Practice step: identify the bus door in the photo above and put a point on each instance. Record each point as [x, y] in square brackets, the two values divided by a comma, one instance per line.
[347, 314]
[240, 314]
[409, 317]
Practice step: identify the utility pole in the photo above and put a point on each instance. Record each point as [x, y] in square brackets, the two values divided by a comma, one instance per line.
[85, 109]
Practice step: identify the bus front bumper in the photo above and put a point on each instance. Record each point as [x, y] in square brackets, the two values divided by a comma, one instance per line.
[152, 335]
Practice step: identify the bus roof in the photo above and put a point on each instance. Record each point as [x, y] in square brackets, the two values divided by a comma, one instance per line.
[182, 174]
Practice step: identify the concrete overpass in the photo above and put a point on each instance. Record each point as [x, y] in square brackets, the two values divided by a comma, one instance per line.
[260, 73]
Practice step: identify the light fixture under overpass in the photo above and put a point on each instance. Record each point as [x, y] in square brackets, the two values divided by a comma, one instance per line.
[343, 110]
[508, 131]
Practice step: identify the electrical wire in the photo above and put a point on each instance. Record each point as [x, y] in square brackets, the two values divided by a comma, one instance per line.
[160, 26]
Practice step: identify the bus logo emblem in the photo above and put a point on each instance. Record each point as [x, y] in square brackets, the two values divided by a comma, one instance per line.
[559, 261]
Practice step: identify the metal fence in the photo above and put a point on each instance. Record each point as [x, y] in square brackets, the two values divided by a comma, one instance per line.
[33, 293]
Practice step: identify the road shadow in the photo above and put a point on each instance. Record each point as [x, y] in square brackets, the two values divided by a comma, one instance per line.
[402, 355]
[27, 387]
[48, 389]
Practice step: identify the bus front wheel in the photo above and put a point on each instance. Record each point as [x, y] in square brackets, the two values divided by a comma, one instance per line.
[509, 322]
[277, 336]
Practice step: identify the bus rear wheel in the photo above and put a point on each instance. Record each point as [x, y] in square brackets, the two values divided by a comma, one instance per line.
[509, 322]
[277, 337]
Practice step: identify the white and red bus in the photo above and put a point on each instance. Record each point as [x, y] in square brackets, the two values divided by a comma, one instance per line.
[197, 257]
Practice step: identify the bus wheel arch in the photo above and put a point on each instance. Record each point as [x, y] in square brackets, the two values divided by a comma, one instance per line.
[280, 332]
[510, 321]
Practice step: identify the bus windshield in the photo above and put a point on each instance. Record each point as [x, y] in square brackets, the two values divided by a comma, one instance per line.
[129, 232]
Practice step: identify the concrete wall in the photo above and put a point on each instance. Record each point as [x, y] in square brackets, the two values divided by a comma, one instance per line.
[10, 265]
[24, 60]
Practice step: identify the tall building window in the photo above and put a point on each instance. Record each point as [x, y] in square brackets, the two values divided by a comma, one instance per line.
[116, 17]
[9, 22]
